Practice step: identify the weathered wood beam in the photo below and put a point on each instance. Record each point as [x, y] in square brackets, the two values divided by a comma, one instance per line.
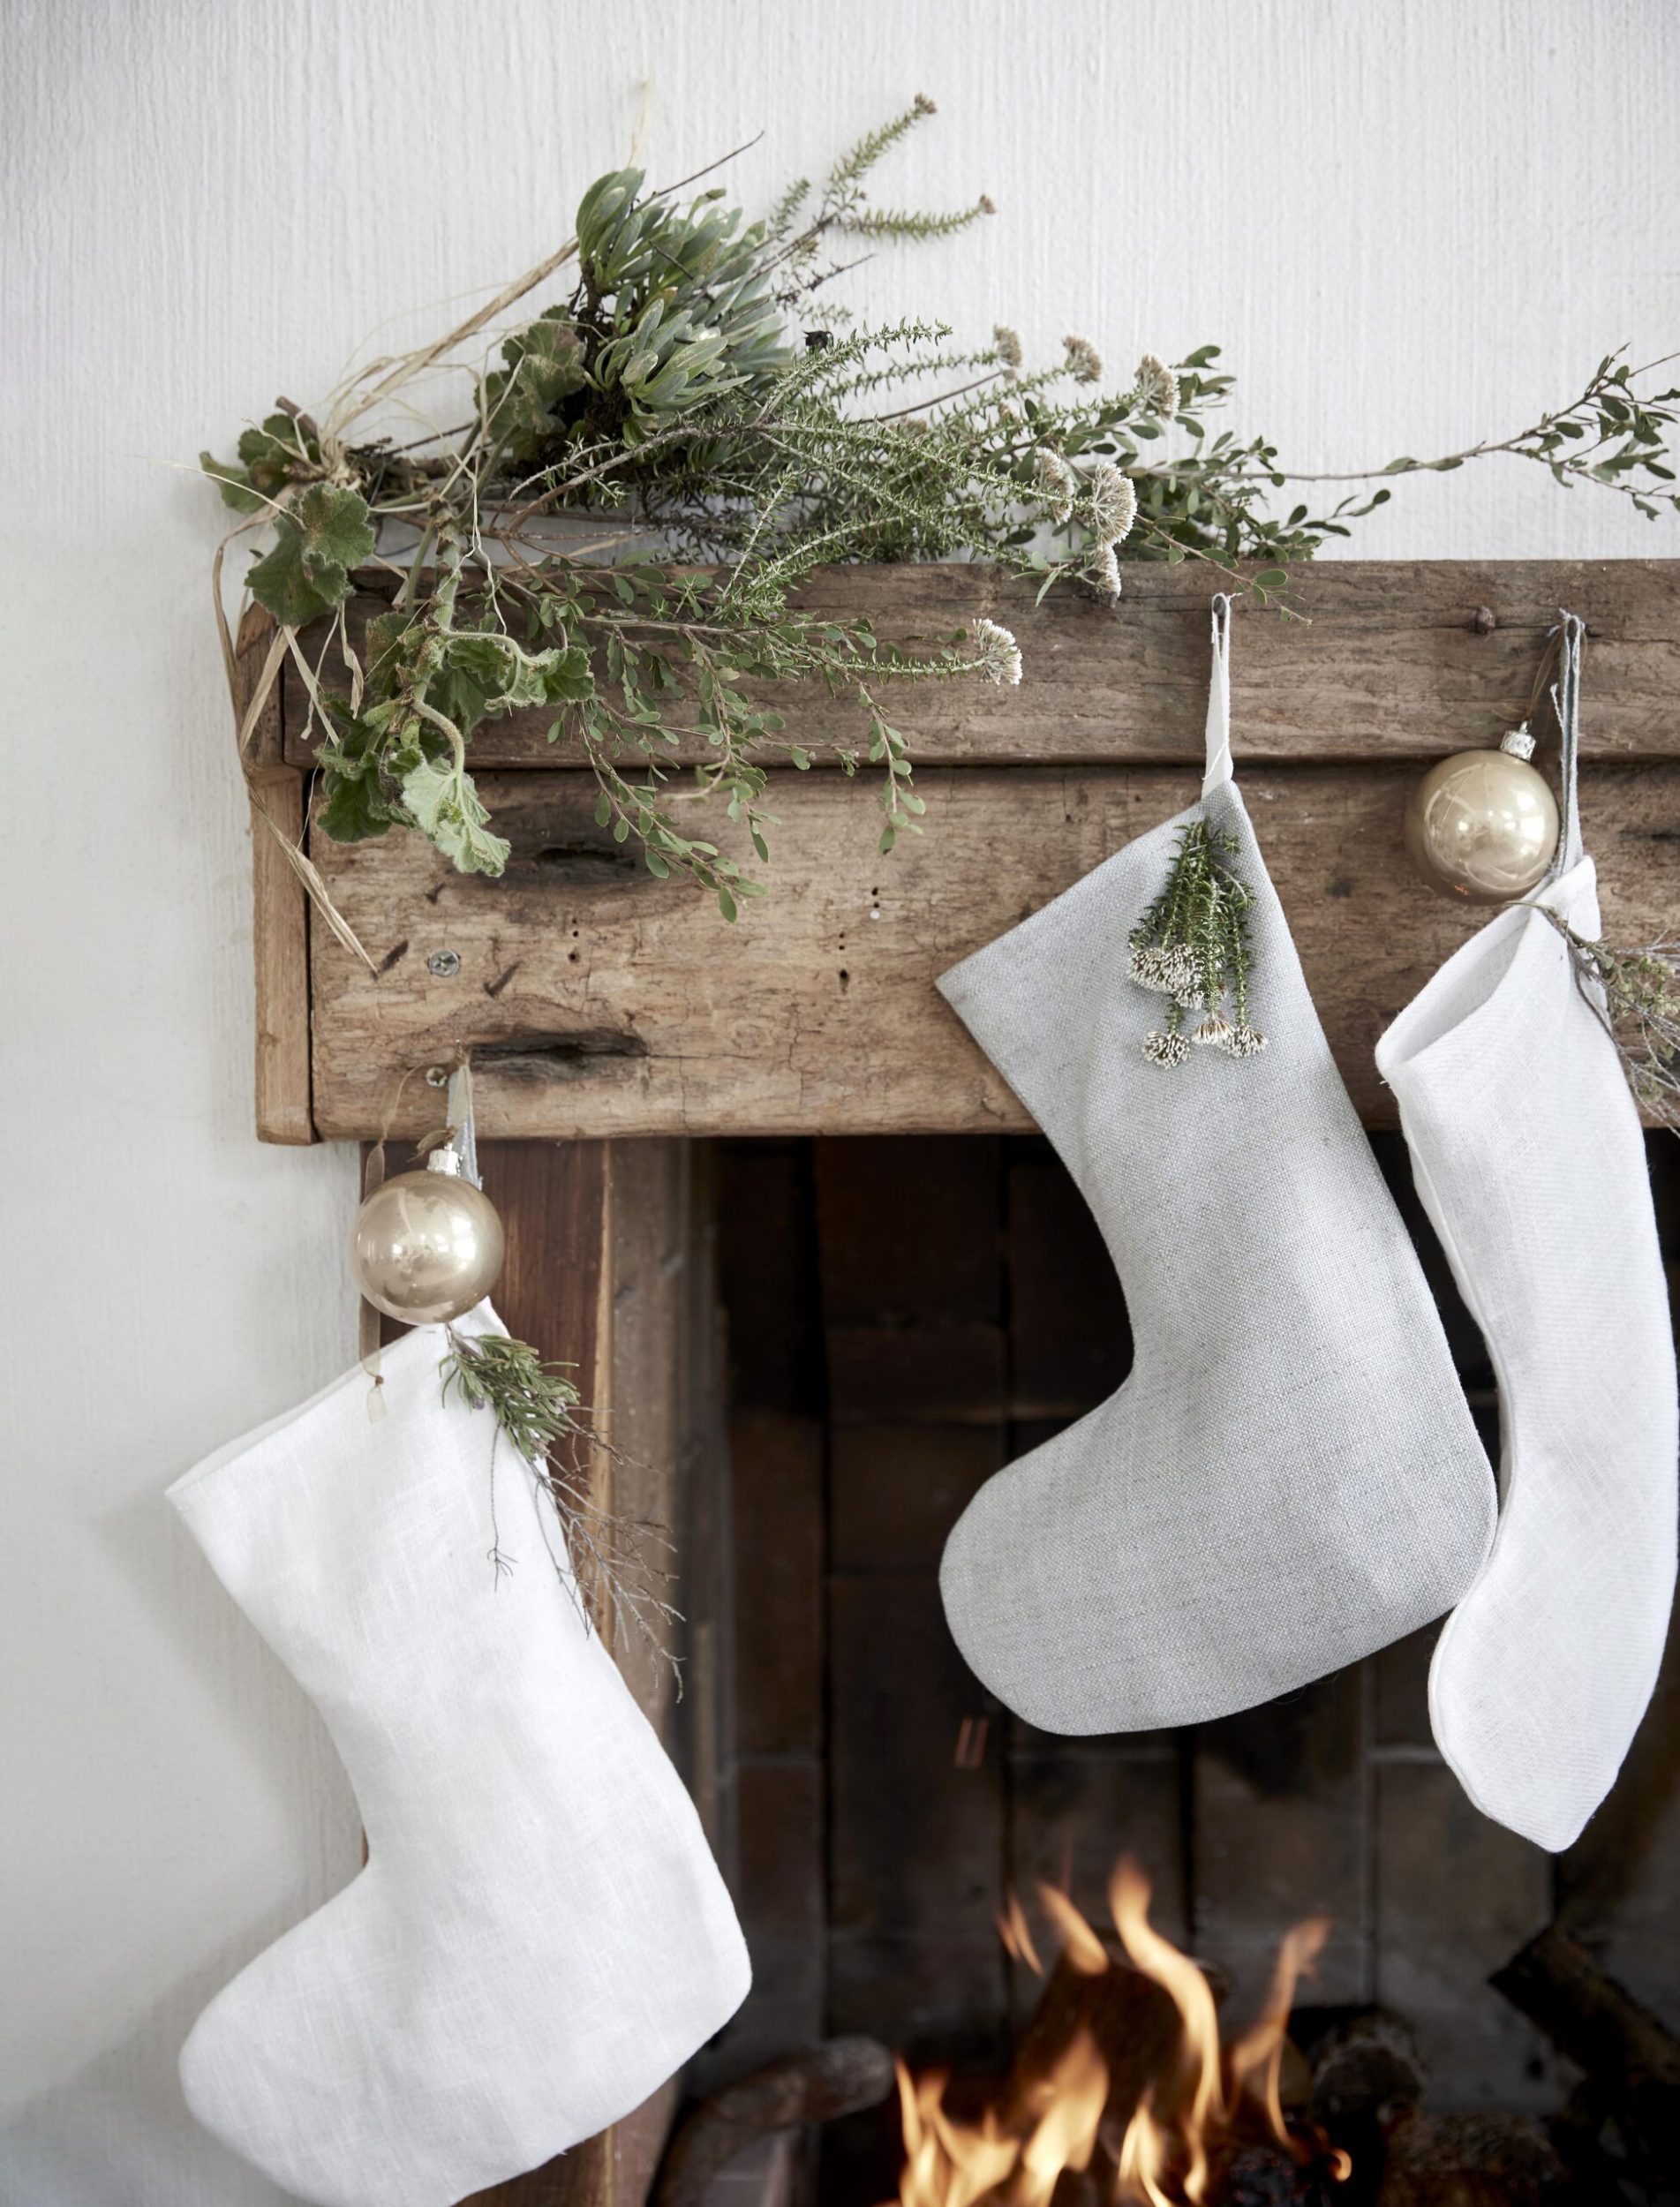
[599, 1277]
[1388, 659]
[279, 911]
[598, 1001]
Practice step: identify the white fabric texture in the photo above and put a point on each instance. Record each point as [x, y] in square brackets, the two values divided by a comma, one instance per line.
[541, 1936]
[1528, 1157]
[1290, 1477]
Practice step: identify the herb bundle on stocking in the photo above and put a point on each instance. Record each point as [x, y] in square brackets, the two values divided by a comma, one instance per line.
[1192, 947]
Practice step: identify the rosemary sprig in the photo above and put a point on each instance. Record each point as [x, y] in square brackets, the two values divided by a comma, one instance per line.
[607, 1570]
[1636, 995]
[1192, 947]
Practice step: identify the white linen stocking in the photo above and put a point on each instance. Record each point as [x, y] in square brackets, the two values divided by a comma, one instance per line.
[1528, 1157]
[1290, 1477]
[541, 1936]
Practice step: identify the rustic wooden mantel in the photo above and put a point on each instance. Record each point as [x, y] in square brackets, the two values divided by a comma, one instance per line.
[597, 1001]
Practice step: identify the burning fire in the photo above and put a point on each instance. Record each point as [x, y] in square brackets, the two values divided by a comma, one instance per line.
[1163, 2138]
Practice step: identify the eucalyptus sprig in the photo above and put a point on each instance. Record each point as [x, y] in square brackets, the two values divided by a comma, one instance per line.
[697, 390]
[608, 1569]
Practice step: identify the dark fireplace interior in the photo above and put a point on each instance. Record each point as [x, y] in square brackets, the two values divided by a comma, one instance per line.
[903, 1316]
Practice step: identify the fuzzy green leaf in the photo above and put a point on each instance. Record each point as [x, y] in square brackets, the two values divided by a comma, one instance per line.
[318, 539]
[353, 811]
[446, 808]
[234, 483]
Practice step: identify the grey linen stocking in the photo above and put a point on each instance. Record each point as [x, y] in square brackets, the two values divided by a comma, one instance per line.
[1290, 1478]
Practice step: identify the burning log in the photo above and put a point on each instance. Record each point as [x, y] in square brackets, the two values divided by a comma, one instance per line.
[1366, 2067]
[1265, 2176]
[837, 2078]
[1122, 2088]
[1131, 2019]
[1367, 2076]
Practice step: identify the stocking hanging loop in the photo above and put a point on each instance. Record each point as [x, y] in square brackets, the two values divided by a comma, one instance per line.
[1566, 703]
[1218, 762]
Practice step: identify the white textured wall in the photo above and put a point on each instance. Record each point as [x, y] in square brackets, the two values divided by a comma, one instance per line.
[1409, 225]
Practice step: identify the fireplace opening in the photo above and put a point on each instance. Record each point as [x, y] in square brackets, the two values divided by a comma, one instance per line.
[915, 1866]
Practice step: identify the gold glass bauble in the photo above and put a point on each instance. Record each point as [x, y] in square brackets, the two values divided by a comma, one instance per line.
[426, 1246]
[1483, 826]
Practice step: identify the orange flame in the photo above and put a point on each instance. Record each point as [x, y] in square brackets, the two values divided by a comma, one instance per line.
[1128, 1897]
[1257, 2058]
[1205, 2101]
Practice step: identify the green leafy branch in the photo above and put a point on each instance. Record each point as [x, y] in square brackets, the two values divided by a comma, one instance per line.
[1636, 997]
[605, 1566]
[696, 393]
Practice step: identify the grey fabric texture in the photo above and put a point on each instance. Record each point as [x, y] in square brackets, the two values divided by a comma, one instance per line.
[1290, 1477]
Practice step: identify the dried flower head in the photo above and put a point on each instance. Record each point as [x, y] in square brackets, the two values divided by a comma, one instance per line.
[1166, 970]
[1084, 362]
[1114, 502]
[1059, 478]
[986, 204]
[1184, 974]
[1006, 344]
[1105, 569]
[924, 105]
[1215, 1032]
[1157, 388]
[996, 653]
[1245, 1041]
[1166, 1049]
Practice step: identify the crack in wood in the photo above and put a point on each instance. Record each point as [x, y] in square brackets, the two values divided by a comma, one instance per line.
[555, 1056]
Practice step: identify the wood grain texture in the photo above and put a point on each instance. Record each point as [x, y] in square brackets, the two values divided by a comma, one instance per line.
[280, 941]
[555, 1291]
[1388, 659]
[598, 1001]
[599, 1276]
[280, 909]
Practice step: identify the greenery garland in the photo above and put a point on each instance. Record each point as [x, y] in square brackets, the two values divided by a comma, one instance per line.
[699, 393]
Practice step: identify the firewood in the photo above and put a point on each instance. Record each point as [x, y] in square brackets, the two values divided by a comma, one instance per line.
[837, 2078]
[1475, 2160]
[1267, 2176]
[1633, 2059]
[1368, 2074]
[1132, 2019]
[1365, 2068]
